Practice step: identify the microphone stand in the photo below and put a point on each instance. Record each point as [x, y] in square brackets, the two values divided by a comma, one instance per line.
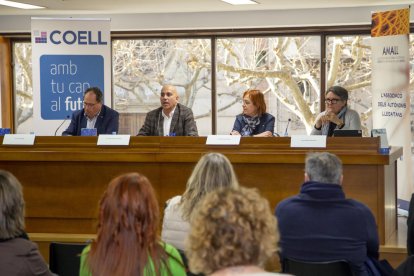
[287, 126]
[67, 117]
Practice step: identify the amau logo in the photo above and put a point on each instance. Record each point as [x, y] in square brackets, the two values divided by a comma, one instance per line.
[40, 37]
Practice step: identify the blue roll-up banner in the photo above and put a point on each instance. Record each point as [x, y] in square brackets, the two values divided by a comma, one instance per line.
[69, 55]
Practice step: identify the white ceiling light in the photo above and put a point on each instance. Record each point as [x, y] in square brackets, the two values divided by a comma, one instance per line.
[241, 2]
[19, 5]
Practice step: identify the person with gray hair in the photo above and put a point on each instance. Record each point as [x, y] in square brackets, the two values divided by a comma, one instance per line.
[18, 255]
[337, 114]
[213, 171]
[320, 224]
[324, 167]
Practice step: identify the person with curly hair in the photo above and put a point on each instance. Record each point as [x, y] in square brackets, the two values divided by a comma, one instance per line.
[233, 232]
[127, 242]
[212, 171]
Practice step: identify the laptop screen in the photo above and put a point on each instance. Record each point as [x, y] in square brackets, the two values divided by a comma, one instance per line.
[347, 133]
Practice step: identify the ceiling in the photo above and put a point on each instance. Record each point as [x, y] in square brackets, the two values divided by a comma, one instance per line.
[74, 7]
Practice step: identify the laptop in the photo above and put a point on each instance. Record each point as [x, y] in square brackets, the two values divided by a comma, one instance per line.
[347, 133]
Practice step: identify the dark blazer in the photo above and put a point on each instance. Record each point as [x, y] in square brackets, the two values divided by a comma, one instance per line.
[410, 228]
[182, 123]
[19, 256]
[106, 123]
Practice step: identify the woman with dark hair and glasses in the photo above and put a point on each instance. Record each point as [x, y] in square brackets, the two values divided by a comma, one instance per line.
[337, 115]
[254, 121]
[127, 242]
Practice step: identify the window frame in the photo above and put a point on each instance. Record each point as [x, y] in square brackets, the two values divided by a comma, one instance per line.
[213, 35]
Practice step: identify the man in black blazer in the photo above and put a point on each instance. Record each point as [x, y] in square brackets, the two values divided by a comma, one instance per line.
[171, 119]
[93, 115]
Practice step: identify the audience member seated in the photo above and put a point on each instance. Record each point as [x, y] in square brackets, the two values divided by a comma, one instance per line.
[212, 171]
[127, 242]
[171, 119]
[410, 227]
[18, 255]
[254, 121]
[233, 232]
[407, 267]
[337, 115]
[93, 115]
[320, 224]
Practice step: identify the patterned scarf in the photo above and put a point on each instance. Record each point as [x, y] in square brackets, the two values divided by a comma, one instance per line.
[341, 115]
[250, 125]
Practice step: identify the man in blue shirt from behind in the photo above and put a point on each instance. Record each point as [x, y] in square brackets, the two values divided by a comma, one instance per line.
[320, 224]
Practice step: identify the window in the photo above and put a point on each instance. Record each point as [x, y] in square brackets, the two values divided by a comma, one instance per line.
[285, 69]
[23, 92]
[141, 67]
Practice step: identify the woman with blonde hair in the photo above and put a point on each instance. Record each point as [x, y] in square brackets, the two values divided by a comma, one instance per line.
[127, 242]
[212, 171]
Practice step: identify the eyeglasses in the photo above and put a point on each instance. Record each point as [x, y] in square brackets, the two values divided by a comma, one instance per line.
[332, 101]
[89, 104]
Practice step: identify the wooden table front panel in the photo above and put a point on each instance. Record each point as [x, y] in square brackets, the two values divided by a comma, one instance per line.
[63, 178]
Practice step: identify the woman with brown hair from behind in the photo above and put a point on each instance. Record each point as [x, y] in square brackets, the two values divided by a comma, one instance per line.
[127, 242]
[18, 255]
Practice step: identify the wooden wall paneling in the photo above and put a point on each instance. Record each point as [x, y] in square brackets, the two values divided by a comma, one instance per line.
[6, 83]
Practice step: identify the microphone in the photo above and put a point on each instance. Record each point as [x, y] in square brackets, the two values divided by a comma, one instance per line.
[67, 117]
[287, 126]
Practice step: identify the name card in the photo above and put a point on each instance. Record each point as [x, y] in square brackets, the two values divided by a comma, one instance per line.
[19, 139]
[223, 140]
[306, 141]
[113, 140]
[89, 132]
[382, 134]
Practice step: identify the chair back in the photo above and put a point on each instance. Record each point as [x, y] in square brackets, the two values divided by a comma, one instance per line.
[64, 258]
[304, 268]
[185, 261]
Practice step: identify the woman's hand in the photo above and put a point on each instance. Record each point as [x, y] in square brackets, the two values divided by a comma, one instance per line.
[264, 134]
[235, 132]
[328, 117]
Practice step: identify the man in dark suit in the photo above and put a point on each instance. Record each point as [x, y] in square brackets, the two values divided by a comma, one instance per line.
[171, 119]
[93, 115]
